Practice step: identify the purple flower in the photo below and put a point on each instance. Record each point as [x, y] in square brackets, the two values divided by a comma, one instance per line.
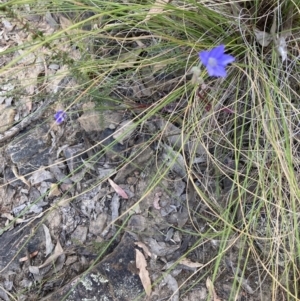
[215, 61]
[60, 116]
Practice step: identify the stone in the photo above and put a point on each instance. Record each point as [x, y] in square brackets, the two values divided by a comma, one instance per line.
[54, 221]
[12, 241]
[74, 160]
[92, 120]
[143, 157]
[30, 151]
[97, 225]
[79, 234]
[7, 115]
[113, 279]
[40, 176]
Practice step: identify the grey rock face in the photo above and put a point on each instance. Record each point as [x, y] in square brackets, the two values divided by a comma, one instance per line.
[113, 279]
[29, 152]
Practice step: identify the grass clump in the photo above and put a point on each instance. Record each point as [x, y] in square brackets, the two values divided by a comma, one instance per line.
[233, 140]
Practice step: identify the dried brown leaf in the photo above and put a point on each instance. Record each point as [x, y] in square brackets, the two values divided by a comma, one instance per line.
[48, 243]
[156, 200]
[187, 262]
[31, 255]
[54, 191]
[141, 264]
[161, 248]
[157, 8]
[211, 289]
[144, 247]
[16, 174]
[118, 189]
[57, 252]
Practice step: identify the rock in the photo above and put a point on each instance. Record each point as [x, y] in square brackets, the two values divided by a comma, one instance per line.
[97, 225]
[79, 234]
[115, 278]
[30, 151]
[70, 219]
[54, 220]
[113, 150]
[92, 120]
[16, 243]
[71, 153]
[143, 157]
[40, 176]
[7, 115]
[7, 198]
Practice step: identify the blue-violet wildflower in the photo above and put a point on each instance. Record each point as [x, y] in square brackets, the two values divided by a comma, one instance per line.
[60, 116]
[215, 61]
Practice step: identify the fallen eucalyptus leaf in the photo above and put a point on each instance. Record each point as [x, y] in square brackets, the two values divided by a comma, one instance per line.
[141, 264]
[144, 247]
[51, 259]
[211, 289]
[118, 189]
[49, 244]
[187, 262]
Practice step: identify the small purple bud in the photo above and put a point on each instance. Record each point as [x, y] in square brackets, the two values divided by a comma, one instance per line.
[60, 116]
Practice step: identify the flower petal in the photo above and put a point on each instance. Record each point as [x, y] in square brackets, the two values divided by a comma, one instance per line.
[226, 59]
[218, 71]
[204, 56]
[217, 51]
